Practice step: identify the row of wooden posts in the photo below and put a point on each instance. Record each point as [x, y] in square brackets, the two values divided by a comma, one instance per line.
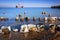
[21, 18]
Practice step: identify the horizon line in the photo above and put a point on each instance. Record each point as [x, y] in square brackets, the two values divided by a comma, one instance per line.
[13, 7]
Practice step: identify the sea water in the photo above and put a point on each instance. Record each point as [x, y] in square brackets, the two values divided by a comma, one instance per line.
[11, 13]
[30, 12]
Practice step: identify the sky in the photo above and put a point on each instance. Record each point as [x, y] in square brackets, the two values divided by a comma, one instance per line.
[29, 3]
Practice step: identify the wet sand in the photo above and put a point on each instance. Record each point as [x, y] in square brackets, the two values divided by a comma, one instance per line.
[30, 36]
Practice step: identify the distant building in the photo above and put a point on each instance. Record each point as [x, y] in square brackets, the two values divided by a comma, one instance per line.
[19, 6]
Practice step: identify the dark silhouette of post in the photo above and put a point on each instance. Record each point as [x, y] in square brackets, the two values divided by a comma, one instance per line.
[16, 19]
[27, 19]
[24, 14]
[21, 19]
[34, 19]
[40, 19]
[20, 15]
